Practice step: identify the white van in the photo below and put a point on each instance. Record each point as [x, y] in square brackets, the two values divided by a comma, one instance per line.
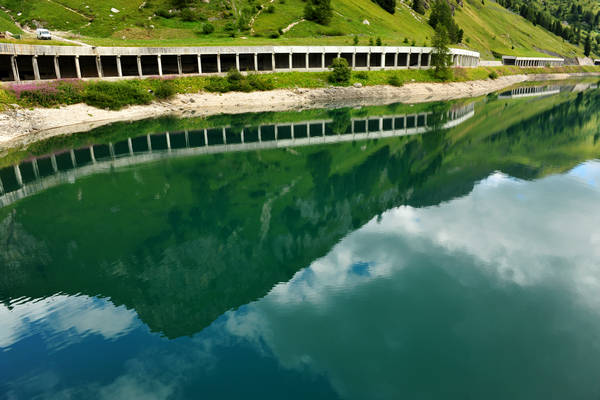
[43, 34]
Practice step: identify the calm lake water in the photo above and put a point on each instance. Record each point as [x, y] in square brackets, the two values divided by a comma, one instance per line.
[447, 250]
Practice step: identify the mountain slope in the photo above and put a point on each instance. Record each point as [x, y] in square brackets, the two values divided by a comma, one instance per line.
[489, 28]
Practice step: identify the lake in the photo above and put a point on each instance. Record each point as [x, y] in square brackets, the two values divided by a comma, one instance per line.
[447, 250]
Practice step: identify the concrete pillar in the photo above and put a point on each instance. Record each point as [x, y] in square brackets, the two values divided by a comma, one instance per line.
[187, 138]
[408, 59]
[292, 126]
[259, 134]
[139, 65]
[180, 70]
[119, 69]
[307, 60]
[36, 69]
[354, 59]
[369, 60]
[99, 67]
[111, 150]
[92, 155]
[18, 175]
[237, 61]
[205, 138]
[218, 63]
[199, 64]
[242, 136]
[255, 62]
[73, 159]
[130, 146]
[291, 61]
[15, 68]
[36, 169]
[168, 137]
[382, 60]
[396, 59]
[149, 143]
[56, 67]
[273, 62]
[1, 187]
[159, 62]
[224, 136]
[53, 162]
[322, 60]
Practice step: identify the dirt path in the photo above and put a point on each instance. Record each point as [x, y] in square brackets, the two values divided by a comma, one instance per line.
[23, 126]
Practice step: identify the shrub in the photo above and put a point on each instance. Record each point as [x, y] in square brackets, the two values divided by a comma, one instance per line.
[115, 95]
[340, 71]
[207, 28]
[274, 35]
[362, 75]
[260, 82]
[493, 75]
[49, 94]
[355, 40]
[270, 9]
[165, 89]
[395, 80]
[163, 12]
[188, 15]
[378, 42]
[318, 11]
[217, 84]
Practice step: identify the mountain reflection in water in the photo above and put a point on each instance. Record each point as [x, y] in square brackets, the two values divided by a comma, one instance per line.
[385, 265]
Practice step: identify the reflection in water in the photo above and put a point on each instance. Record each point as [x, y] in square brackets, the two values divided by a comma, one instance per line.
[394, 267]
[38, 174]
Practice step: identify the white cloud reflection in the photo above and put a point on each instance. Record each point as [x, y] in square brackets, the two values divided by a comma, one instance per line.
[62, 318]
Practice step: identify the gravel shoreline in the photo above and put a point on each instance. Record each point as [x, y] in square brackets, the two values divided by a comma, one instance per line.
[20, 126]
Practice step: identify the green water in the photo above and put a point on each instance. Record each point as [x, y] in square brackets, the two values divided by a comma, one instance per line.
[450, 252]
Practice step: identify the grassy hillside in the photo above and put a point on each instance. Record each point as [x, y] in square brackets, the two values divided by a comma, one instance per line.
[6, 24]
[489, 28]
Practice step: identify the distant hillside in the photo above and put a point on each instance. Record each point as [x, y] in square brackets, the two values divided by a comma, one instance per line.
[489, 28]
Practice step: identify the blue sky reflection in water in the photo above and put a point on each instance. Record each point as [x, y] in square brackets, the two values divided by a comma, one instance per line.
[490, 294]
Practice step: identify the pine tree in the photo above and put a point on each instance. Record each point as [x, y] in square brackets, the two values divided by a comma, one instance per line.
[587, 47]
[440, 57]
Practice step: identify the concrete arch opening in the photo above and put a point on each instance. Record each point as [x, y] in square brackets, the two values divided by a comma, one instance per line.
[228, 61]
[88, 67]
[298, 61]
[209, 63]
[109, 66]
[67, 67]
[414, 60]
[265, 62]
[361, 60]
[375, 60]
[129, 66]
[315, 60]
[282, 61]
[247, 62]
[6, 70]
[25, 65]
[170, 65]
[149, 65]
[189, 64]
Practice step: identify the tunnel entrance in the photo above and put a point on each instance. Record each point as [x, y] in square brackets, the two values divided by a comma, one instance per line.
[247, 62]
[390, 60]
[149, 65]
[67, 67]
[109, 65]
[265, 62]
[314, 60]
[25, 66]
[228, 62]
[87, 65]
[209, 63]
[361, 60]
[375, 60]
[282, 61]
[169, 65]
[298, 60]
[402, 59]
[46, 67]
[414, 59]
[6, 73]
[189, 64]
[129, 65]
